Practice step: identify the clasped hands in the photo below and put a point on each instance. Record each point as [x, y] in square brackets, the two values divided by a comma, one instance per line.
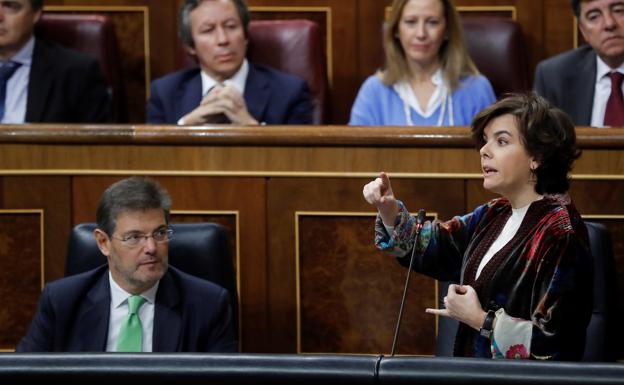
[219, 102]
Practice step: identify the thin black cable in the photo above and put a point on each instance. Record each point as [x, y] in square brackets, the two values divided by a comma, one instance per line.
[419, 225]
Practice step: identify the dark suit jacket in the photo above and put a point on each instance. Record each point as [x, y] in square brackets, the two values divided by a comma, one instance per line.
[65, 87]
[568, 81]
[190, 315]
[271, 96]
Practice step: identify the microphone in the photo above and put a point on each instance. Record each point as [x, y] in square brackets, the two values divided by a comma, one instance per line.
[420, 220]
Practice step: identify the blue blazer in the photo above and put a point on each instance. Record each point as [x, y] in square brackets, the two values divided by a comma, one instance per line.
[272, 97]
[190, 315]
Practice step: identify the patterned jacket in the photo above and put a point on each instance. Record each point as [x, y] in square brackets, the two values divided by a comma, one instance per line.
[539, 284]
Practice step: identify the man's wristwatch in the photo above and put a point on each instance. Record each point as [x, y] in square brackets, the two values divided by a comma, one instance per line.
[488, 325]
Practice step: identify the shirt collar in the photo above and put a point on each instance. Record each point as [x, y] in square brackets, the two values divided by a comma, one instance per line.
[24, 55]
[237, 81]
[436, 78]
[119, 295]
[603, 69]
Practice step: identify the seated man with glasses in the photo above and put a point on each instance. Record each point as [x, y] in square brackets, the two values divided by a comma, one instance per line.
[137, 302]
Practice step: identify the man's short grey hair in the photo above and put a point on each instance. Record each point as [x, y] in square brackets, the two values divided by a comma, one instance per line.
[131, 194]
[184, 18]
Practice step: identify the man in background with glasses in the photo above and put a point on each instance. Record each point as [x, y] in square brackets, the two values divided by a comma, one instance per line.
[137, 302]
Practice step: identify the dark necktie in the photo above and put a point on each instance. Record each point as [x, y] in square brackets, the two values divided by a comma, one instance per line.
[6, 71]
[614, 114]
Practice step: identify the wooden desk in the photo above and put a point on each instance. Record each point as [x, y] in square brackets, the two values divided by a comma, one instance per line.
[309, 278]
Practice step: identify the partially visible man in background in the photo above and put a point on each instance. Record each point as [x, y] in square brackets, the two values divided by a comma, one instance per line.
[225, 88]
[586, 82]
[41, 81]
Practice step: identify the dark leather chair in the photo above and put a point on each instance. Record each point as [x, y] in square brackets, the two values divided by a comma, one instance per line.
[199, 249]
[496, 46]
[600, 340]
[291, 46]
[93, 35]
[601, 332]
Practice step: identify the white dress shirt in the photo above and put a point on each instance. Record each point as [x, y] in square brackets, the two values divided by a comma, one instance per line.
[237, 81]
[507, 233]
[602, 91]
[17, 86]
[119, 311]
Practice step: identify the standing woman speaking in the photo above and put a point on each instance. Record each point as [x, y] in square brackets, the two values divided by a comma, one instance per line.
[522, 260]
[429, 79]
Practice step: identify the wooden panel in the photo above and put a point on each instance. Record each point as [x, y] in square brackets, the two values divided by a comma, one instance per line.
[52, 195]
[350, 293]
[286, 196]
[267, 179]
[21, 261]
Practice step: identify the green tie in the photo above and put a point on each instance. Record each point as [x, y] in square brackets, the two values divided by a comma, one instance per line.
[131, 333]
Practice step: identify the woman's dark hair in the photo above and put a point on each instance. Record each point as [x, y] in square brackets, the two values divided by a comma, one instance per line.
[547, 134]
[184, 19]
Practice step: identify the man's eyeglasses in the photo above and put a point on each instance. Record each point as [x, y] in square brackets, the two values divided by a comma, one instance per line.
[139, 239]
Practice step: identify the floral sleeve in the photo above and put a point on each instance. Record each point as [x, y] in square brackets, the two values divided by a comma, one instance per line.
[512, 336]
[440, 246]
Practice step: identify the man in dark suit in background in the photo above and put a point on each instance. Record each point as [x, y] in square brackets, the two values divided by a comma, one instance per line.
[41, 81]
[580, 81]
[136, 302]
[226, 88]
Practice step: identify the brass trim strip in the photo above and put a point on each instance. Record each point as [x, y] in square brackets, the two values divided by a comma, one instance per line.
[329, 51]
[602, 216]
[106, 8]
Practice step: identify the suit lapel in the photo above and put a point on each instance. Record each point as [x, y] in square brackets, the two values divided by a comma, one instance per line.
[91, 328]
[188, 95]
[256, 93]
[39, 82]
[167, 317]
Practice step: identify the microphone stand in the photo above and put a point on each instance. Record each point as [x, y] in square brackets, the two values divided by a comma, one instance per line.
[419, 225]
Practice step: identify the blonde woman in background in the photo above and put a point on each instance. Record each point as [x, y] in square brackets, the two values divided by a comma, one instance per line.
[429, 79]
